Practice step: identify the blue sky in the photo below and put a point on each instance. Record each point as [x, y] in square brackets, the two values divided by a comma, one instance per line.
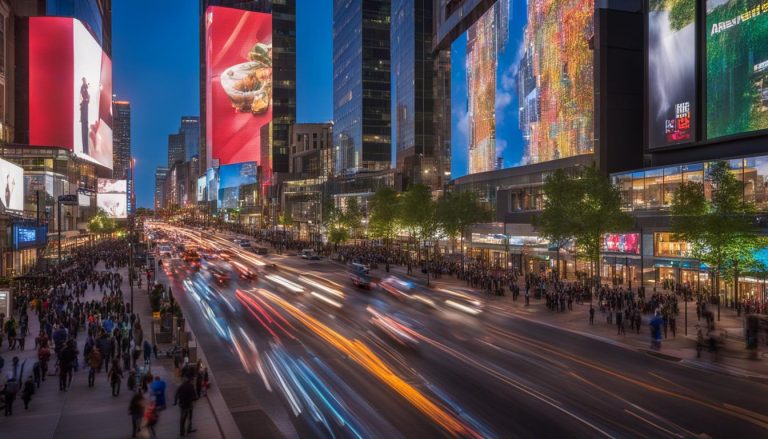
[509, 139]
[155, 50]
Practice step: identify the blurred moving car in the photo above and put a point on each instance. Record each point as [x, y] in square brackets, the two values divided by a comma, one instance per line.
[165, 251]
[360, 276]
[310, 254]
[219, 274]
[243, 271]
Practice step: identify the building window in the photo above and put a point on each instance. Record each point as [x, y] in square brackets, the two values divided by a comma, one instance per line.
[664, 245]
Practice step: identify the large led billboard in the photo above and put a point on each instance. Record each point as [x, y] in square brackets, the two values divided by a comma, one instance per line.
[201, 188]
[628, 243]
[11, 186]
[212, 182]
[238, 53]
[671, 72]
[112, 197]
[231, 178]
[737, 67]
[29, 236]
[522, 85]
[70, 89]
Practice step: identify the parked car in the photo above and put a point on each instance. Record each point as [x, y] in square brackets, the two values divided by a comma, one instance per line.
[310, 254]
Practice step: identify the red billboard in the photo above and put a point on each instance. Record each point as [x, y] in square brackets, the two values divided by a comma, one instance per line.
[238, 53]
[622, 243]
[70, 89]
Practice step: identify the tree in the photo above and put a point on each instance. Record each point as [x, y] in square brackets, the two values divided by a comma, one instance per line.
[558, 219]
[719, 229]
[418, 216]
[597, 212]
[457, 211]
[352, 217]
[383, 215]
[101, 223]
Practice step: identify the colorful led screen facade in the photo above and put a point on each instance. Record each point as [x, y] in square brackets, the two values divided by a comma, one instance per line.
[70, 89]
[671, 72]
[737, 67]
[522, 86]
[238, 52]
[231, 179]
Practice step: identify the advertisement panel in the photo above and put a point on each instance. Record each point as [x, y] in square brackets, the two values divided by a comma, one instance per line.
[29, 236]
[212, 182]
[83, 200]
[238, 48]
[737, 67]
[11, 186]
[231, 178]
[522, 85]
[201, 188]
[671, 72]
[628, 243]
[70, 89]
[112, 197]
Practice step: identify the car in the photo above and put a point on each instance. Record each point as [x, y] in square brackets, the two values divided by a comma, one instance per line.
[363, 268]
[219, 274]
[359, 276]
[260, 250]
[243, 271]
[310, 254]
[165, 251]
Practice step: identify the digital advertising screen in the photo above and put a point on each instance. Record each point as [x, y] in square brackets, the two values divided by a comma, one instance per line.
[628, 243]
[671, 72]
[201, 188]
[212, 182]
[231, 178]
[70, 89]
[238, 53]
[29, 236]
[112, 197]
[11, 186]
[522, 85]
[737, 67]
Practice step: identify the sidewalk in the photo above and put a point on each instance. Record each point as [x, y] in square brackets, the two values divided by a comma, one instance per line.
[733, 358]
[84, 412]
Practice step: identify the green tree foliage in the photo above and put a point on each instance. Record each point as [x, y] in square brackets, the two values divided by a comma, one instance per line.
[584, 208]
[558, 221]
[352, 216]
[719, 228]
[101, 223]
[384, 214]
[456, 211]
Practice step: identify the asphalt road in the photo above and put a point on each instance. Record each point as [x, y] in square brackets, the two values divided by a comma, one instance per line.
[301, 352]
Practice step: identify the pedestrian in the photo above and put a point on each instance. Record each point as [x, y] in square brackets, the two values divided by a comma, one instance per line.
[673, 325]
[27, 391]
[185, 398]
[620, 323]
[154, 350]
[10, 390]
[158, 391]
[136, 410]
[115, 375]
[94, 363]
[151, 416]
[147, 351]
[591, 315]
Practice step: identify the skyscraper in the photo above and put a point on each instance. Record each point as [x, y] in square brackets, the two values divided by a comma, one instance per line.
[121, 138]
[419, 157]
[161, 173]
[176, 151]
[361, 85]
[283, 75]
[190, 127]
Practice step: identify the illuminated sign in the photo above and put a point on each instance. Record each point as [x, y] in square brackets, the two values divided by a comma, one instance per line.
[238, 47]
[628, 243]
[11, 186]
[29, 236]
[70, 89]
[737, 77]
[112, 197]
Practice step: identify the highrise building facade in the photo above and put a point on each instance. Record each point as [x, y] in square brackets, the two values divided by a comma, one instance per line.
[121, 138]
[190, 127]
[419, 157]
[161, 174]
[361, 85]
[176, 152]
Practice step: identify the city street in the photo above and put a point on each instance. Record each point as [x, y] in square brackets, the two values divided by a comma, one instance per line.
[301, 345]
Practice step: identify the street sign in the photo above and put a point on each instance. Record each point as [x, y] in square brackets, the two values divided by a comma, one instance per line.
[68, 200]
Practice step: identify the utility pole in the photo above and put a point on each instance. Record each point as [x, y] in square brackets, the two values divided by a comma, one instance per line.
[58, 224]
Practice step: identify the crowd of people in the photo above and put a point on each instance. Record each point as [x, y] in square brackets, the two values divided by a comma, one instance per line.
[114, 339]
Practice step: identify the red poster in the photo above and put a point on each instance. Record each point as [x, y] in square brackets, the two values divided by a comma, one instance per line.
[239, 83]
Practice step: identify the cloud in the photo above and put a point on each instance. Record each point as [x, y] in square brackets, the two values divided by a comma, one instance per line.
[463, 124]
[501, 145]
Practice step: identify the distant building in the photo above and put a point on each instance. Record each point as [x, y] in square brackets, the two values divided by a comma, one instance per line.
[176, 151]
[361, 86]
[161, 174]
[311, 150]
[190, 127]
[121, 138]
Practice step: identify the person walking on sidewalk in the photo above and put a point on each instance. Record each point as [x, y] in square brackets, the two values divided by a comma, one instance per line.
[136, 410]
[185, 398]
[94, 363]
[27, 391]
[115, 376]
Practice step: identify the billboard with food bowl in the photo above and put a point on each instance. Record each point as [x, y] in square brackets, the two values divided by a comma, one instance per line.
[70, 89]
[238, 53]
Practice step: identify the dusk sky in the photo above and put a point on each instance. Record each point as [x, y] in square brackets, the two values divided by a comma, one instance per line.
[156, 55]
